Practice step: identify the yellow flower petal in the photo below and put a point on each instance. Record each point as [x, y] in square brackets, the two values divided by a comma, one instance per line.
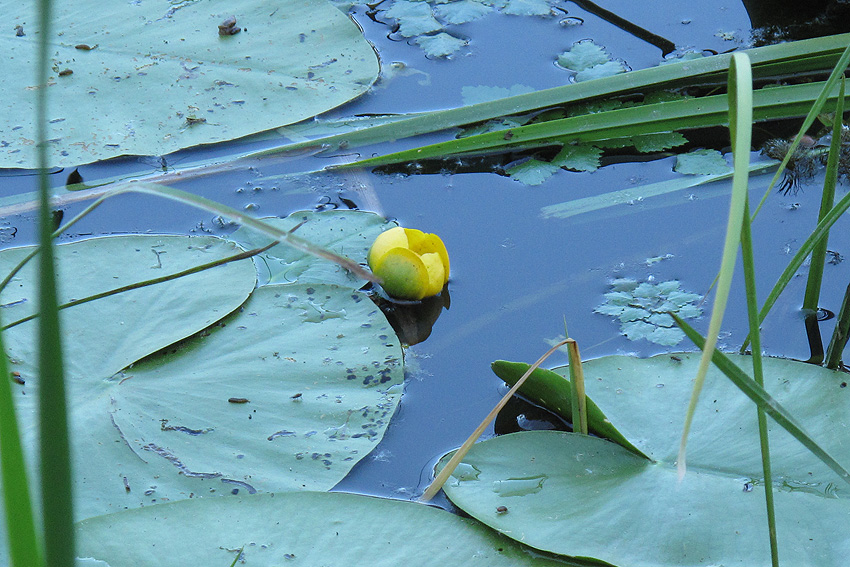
[423, 243]
[392, 238]
[436, 273]
[403, 273]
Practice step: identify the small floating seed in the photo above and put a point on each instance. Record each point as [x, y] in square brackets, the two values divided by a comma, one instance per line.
[84, 47]
[238, 400]
[65, 72]
[502, 510]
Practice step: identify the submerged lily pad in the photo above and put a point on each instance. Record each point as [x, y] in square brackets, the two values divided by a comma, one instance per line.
[634, 511]
[288, 392]
[589, 61]
[642, 309]
[328, 529]
[440, 45]
[701, 162]
[156, 76]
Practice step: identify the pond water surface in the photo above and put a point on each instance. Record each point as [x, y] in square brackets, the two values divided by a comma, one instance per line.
[516, 276]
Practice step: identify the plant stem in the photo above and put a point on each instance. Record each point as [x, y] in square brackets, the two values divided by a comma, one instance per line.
[818, 259]
[456, 459]
[840, 334]
[758, 375]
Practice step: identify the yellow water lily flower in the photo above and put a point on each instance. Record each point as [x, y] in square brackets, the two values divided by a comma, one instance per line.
[412, 264]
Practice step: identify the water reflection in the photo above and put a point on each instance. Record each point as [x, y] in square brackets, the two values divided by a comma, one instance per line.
[413, 320]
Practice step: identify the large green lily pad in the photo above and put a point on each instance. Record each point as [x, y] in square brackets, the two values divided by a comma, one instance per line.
[308, 528]
[348, 233]
[288, 392]
[155, 76]
[588, 497]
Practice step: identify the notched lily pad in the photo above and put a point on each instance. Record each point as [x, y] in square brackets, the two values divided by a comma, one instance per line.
[715, 515]
[287, 392]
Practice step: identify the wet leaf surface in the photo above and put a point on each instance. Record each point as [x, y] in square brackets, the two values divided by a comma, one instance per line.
[158, 76]
[633, 511]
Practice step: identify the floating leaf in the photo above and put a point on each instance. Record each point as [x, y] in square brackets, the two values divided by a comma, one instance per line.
[440, 45]
[583, 55]
[333, 530]
[527, 8]
[578, 158]
[608, 69]
[414, 18]
[642, 309]
[658, 142]
[701, 162]
[462, 11]
[532, 171]
[154, 77]
[715, 515]
[288, 392]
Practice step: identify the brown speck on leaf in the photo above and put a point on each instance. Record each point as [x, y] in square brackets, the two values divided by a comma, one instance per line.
[126, 484]
[65, 72]
[238, 400]
[502, 510]
[19, 31]
[84, 47]
[16, 376]
[229, 27]
[508, 135]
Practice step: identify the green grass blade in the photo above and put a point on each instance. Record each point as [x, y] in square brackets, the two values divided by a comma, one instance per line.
[55, 452]
[758, 375]
[757, 394]
[208, 205]
[21, 532]
[774, 60]
[585, 205]
[740, 126]
[701, 112]
[797, 260]
[813, 285]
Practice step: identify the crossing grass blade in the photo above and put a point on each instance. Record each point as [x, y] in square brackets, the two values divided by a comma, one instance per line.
[740, 125]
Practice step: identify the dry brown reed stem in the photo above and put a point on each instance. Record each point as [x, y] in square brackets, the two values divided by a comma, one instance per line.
[444, 475]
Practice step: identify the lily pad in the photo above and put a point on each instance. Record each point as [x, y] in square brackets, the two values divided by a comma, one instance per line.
[328, 529]
[349, 233]
[116, 331]
[288, 392]
[154, 77]
[634, 511]
[701, 162]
